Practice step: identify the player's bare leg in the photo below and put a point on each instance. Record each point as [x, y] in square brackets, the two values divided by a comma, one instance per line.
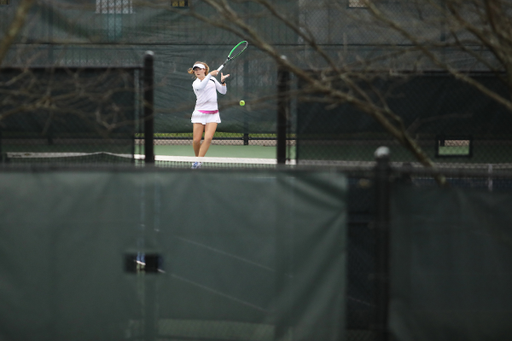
[209, 131]
[197, 130]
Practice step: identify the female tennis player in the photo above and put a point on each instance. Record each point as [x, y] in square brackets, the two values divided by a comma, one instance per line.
[206, 112]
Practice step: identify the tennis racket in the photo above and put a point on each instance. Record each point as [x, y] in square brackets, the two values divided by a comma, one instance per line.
[235, 52]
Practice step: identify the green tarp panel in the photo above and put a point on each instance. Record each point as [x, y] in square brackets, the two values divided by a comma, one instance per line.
[246, 255]
[451, 265]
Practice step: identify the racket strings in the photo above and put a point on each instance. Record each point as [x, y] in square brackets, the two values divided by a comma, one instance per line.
[238, 50]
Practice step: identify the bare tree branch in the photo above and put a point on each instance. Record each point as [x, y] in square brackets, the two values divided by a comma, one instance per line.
[424, 48]
[15, 27]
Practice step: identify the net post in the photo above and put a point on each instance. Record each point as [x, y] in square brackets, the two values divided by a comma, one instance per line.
[149, 152]
[283, 83]
[382, 242]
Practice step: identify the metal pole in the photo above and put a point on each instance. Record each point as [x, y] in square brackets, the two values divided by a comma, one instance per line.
[245, 92]
[382, 239]
[283, 304]
[1, 154]
[283, 83]
[149, 102]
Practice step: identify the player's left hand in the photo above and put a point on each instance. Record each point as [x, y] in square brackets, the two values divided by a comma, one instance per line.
[223, 77]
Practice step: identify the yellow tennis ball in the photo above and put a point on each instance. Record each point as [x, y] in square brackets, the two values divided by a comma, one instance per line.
[242, 103]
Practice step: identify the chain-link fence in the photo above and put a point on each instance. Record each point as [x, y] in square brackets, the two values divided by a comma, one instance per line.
[70, 114]
[118, 32]
[87, 106]
[419, 116]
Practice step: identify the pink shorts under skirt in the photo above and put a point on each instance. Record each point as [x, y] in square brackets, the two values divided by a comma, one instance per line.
[199, 117]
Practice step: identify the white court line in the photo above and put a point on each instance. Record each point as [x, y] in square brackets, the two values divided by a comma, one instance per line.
[225, 253]
[219, 293]
[206, 159]
[210, 159]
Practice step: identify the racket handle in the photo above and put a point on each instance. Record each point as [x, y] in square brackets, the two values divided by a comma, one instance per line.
[220, 67]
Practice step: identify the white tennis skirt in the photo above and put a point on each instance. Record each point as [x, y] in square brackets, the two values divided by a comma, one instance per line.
[199, 117]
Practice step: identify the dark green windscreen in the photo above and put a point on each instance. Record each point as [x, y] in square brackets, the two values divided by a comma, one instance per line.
[172, 255]
[451, 261]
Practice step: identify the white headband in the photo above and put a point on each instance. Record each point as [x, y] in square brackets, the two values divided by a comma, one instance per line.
[201, 66]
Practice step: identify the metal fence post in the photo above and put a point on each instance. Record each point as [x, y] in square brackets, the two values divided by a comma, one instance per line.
[283, 83]
[246, 91]
[382, 240]
[149, 102]
[1, 154]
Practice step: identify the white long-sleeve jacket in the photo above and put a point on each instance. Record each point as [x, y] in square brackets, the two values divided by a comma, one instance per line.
[206, 93]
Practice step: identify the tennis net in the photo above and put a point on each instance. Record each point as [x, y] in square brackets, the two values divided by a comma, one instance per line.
[138, 159]
[66, 158]
[214, 162]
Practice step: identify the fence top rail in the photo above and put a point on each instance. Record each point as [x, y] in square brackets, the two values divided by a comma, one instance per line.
[72, 67]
